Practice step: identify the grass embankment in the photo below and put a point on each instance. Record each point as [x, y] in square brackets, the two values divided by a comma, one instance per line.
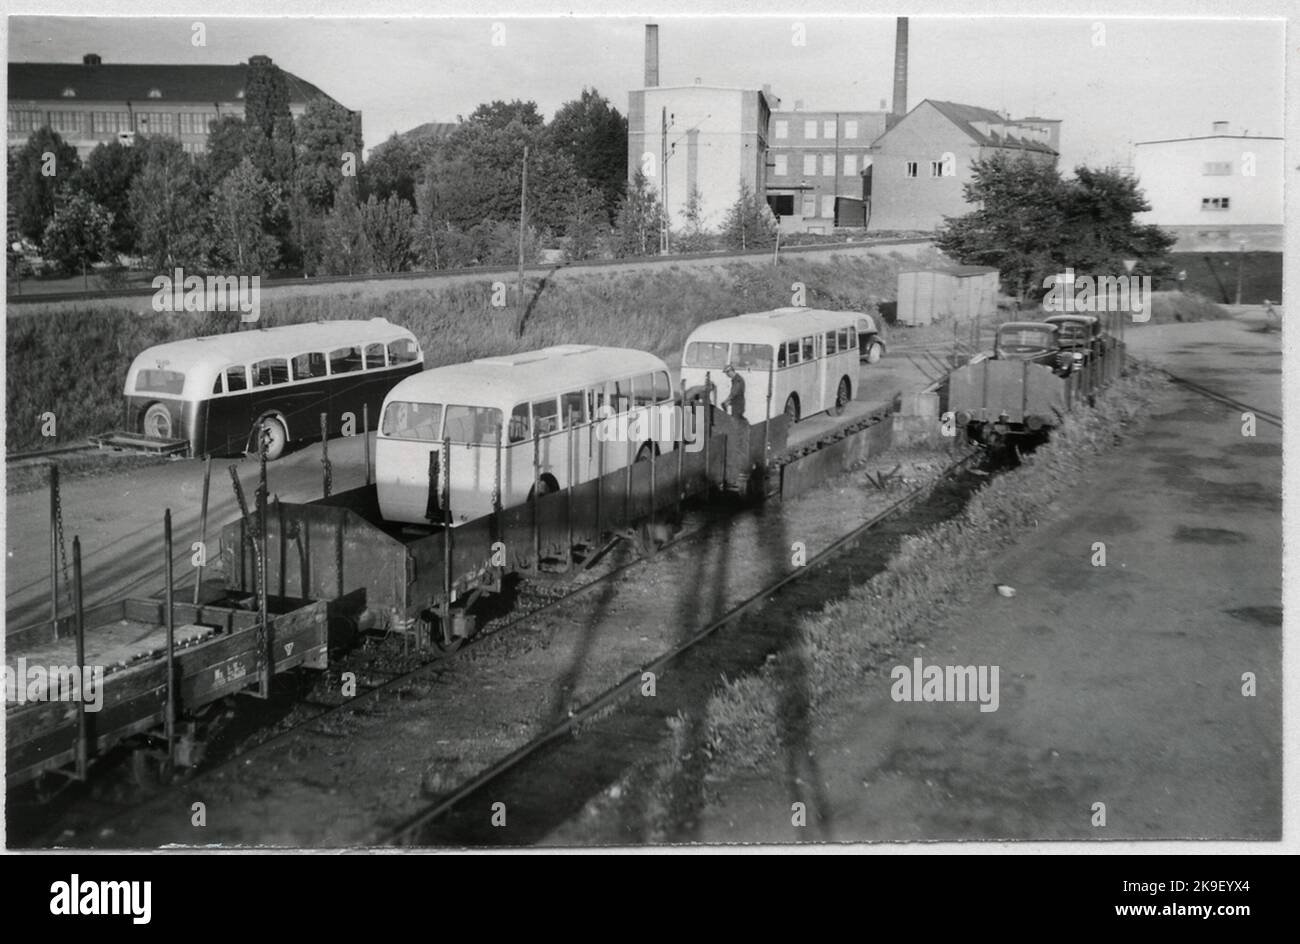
[744, 724]
[72, 362]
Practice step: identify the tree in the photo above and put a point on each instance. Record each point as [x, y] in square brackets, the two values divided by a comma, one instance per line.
[392, 168]
[344, 247]
[1031, 224]
[106, 178]
[241, 207]
[167, 207]
[499, 114]
[640, 221]
[388, 229]
[326, 140]
[749, 223]
[78, 235]
[40, 173]
[592, 133]
[694, 238]
[227, 138]
[268, 123]
[586, 224]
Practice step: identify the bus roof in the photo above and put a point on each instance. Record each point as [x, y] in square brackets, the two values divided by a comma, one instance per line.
[773, 327]
[216, 351]
[510, 379]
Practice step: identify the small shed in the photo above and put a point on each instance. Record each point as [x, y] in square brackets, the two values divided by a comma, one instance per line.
[939, 293]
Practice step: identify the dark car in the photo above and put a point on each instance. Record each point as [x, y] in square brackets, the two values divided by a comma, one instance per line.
[1034, 341]
[1079, 339]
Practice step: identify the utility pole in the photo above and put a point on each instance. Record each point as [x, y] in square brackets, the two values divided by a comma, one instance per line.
[523, 218]
[663, 179]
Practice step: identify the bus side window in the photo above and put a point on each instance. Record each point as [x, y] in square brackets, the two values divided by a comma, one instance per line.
[402, 351]
[236, 379]
[621, 392]
[809, 348]
[374, 356]
[643, 390]
[344, 360]
[573, 407]
[780, 355]
[546, 416]
[519, 429]
[216, 387]
[830, 347]
[306, 366]
[792, 352]
[844, 343]
[272, 371]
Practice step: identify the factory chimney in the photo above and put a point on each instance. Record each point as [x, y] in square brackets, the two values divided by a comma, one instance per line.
[900, 70]
[651, 55]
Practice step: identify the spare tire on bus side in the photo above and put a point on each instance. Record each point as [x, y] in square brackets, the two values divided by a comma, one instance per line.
[157, 422]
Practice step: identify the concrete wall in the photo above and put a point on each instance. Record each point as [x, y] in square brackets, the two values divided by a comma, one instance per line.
[1177, 176]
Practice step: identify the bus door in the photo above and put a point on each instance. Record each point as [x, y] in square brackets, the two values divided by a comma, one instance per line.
[230, 421]
[830, 371]
[579, 436]
[347, 395]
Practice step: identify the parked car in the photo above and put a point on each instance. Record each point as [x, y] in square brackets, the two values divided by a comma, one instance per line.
[1034, 341]
[871, 346]
[1079, 339]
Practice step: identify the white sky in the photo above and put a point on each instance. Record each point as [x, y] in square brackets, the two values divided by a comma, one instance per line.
[1151, 78]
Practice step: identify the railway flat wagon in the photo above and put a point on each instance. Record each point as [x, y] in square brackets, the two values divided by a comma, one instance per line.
[63, 712]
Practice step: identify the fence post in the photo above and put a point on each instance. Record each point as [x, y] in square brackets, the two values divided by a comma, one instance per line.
[79, 616]
[325, 454]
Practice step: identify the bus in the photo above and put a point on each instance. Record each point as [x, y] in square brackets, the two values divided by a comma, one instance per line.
[218, 395]
[808, 358]
[517, 426]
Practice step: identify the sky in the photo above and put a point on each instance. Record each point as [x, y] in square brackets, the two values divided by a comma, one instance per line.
[1112, 80]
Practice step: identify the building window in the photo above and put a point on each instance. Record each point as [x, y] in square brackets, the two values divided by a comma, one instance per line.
[192, 123]
[809, 206]
[23, 120]
[110, 122]
[936, 168]
[810, 165]
[828, 165]
[810, 130]
[782, 130]
[779, 165]
[850, 129]
[1214, 203]
[828, 207]
[156, 122]
[192, 147]
[850, 164]
[69, 92]
[1218, 168]
[155, 93]
[65, 120]
[911, 168]
[828, 130]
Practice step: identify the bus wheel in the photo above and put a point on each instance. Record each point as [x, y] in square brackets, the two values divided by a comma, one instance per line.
[158, 422]
[546, 485]
[842, 396]
[643, 454]
[275, 436]
[792, 408]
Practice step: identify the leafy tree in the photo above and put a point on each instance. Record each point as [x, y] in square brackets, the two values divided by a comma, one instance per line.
[40, 172]
[592, 133]
[438, 244]
[499, 114]
[345, 250]
[640, 221]
[106, 178]
[242, 205]
[693, 238]
[749, 223]
[496, 243]
[268, 123]
[1031, 224]
[325, 135]
[79, 234]
[392, 169]
[388, 228]
[586, 224]
[227, 137]
[167, 207]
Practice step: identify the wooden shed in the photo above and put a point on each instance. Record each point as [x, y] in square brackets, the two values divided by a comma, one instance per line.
[940, 293]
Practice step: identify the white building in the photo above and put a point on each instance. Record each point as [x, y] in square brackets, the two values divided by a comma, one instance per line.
[1216, 191]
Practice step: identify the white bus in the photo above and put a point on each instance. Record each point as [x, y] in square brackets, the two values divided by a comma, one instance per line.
[809, 357]
[590, 408]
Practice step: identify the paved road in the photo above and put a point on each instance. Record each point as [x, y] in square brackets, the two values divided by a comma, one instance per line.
[1120, 685]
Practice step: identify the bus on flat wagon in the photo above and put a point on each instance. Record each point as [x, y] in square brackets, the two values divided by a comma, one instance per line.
[588, 408]
[809, 359]
[220, 393]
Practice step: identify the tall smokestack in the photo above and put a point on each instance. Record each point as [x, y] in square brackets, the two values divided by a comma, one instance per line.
[651, 55]
[900, 69]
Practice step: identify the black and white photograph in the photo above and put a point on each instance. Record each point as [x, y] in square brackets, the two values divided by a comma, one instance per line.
[798, 428]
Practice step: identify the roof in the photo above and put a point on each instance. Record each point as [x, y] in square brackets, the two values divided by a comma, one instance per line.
[1211, 137]
[964, 117]
[954, 269]
[772, 327]
[215, 352]
[513, 378]
[132, 82]
[1026, 325]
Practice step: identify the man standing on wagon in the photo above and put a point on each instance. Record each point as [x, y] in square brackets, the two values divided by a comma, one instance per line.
[735, 402]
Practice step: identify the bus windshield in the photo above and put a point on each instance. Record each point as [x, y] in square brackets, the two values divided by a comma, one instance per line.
[473, 425]
[706, 354]
[406, 420]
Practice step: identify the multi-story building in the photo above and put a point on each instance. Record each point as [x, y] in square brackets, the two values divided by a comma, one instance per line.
[1216, 191]
[93, 103]
[921, 164]
[816, 157]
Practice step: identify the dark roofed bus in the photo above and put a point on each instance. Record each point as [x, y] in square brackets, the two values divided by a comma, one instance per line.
[217, 393]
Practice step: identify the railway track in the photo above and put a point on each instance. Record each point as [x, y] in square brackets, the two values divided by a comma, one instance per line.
[420, 828]
[1268, 416]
